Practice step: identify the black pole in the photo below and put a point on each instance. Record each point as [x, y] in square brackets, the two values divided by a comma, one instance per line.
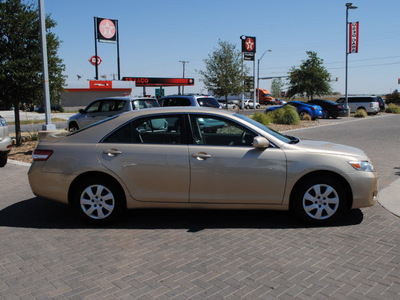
[119, 70]
[95, 49]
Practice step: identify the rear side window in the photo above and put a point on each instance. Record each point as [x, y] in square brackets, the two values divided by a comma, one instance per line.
[208, 102]
[151, 130]
[362, 99]
[180, 101]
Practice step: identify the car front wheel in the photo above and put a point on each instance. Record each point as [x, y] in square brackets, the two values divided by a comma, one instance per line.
[3, 159]
[73, 127]
[325, 114]
[99, 200]
[319, 200]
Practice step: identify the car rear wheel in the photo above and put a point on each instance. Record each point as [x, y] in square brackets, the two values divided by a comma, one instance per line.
[3, 159]
[319, 200]
[99, 200]
[302, 114]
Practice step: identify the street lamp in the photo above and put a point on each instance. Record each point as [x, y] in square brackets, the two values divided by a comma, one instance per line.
[258, 74]
[348, 6]
[184, 62]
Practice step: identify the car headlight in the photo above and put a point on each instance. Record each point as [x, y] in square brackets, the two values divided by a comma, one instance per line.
[362, 166]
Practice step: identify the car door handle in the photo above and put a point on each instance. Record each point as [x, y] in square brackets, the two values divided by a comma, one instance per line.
[112, 152]
[201, 156]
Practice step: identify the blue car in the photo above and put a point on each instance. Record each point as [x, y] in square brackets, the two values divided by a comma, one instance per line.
[315, 111]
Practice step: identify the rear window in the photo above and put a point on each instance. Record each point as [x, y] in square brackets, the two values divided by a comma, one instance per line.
[208, 102]
[140, 104]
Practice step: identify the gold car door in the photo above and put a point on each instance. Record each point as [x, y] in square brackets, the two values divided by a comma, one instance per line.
[149, 157]
[226, 168]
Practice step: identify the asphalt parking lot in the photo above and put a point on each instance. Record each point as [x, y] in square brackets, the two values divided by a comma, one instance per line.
[46, 253]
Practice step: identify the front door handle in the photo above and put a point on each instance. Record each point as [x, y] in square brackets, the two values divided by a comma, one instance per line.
[112, 152]
[201, 156]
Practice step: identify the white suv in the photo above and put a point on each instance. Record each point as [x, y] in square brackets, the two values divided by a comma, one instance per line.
[368, 103]
[5, 142]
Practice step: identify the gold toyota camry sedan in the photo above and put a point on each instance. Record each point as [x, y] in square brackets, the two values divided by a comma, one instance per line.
[189, 157]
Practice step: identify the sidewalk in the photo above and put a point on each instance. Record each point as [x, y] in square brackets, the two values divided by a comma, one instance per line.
[389, 197]
[32, 116]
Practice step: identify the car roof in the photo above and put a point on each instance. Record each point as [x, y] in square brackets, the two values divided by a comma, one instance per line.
[125, 98]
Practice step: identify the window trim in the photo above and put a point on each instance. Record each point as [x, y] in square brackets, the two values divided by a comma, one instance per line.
[184, 134]
[220, 117]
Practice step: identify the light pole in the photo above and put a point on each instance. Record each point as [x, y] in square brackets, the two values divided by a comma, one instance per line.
[258, 75]
[348, 6]
[183, 63]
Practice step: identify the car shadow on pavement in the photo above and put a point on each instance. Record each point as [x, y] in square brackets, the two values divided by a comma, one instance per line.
[41, 213]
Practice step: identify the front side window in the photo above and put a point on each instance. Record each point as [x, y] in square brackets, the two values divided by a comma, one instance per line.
[218, 131]
[94, 107]
[149, 130]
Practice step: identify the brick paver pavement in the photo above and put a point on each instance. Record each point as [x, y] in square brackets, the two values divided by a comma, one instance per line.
[46, 253]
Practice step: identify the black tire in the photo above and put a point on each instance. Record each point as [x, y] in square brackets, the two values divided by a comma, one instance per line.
[99, 200]
[302, 114]
[73, 127]
[319, 200]
[325, 114]
[3, 159]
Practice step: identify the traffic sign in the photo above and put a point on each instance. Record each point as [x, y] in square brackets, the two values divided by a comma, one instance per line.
[93, 60]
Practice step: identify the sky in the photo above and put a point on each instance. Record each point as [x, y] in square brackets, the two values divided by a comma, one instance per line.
[155, 35]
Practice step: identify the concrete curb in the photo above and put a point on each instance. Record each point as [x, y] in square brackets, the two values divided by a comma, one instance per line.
[389, 197]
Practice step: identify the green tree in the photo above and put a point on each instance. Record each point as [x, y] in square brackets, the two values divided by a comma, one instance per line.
[223, 74]
[393, 98]
[21, 61]
[310, 79]
[276, 87]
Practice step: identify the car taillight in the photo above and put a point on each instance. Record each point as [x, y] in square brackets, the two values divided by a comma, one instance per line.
[41, 155]
[313, 108]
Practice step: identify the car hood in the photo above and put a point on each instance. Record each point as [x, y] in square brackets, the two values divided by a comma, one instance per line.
[331, 148]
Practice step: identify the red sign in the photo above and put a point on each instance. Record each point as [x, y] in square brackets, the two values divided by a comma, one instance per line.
[152, 81]
[93, 60]
[353, 28]
[107, 30]
[248, 44]
[100, 84]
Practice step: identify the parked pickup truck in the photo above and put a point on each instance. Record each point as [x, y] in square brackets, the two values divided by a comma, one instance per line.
[5, 142]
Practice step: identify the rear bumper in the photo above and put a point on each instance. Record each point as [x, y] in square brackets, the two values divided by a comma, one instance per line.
[5, 144]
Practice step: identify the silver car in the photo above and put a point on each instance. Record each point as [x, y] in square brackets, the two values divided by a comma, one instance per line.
[106, 107]
[5, 142]
[166, 158]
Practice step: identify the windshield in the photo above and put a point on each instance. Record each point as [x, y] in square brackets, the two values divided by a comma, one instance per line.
[283, 138]
[208, 102]
[144, 103]
[91, 125]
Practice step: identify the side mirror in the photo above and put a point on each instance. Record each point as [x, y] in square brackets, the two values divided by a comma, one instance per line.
[260, 142]
[81, 111]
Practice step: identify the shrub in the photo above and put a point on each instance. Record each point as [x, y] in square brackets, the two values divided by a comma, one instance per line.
[393, 109]
[286, 115]
[360, 113]
[393, 98]
[262, 118]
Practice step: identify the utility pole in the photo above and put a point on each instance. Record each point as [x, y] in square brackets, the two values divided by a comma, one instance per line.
[46, 89]
[183, 64]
